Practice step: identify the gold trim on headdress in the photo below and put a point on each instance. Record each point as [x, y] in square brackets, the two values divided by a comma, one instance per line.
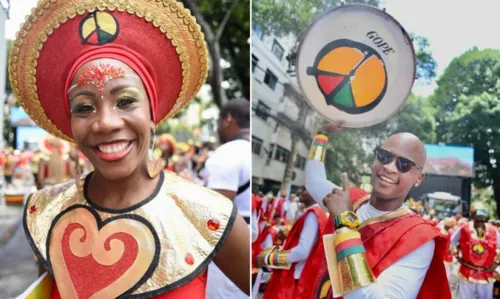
[169, 16]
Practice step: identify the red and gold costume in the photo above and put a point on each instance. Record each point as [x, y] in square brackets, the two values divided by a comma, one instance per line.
[268, 213]
[257, 245]
[448, 231]
[166, 144]
[162, 245]
[2, 159]
[282, 284]
[257, 205]
[354, 258]
[134, 251]
[53, 167]
[280, 210]
[387, 240]
[477, 253]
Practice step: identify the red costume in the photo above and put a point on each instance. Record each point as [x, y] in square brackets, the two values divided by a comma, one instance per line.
[479, 252]
[448, 255]
[268, 214]
[386, 241]
[2, 159]
[256, 246]
[257, 205]
[282, 283]
[280, 210]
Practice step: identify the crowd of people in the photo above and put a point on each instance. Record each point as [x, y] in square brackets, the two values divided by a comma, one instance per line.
[53, 162]
[338, 240]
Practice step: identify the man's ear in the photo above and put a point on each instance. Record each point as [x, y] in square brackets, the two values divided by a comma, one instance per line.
[420, 179]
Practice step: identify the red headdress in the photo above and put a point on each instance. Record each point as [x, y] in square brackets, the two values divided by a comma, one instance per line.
[159, 40]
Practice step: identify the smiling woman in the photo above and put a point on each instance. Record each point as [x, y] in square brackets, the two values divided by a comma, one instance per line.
[103, 74]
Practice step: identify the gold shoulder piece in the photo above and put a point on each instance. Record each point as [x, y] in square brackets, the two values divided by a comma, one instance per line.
[192, 223]
[41, 208]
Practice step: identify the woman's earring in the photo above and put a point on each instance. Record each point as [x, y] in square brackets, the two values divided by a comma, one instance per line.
[78, 174]
[155, 165]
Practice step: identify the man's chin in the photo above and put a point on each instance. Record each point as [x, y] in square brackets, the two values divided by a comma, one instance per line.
[380, 195]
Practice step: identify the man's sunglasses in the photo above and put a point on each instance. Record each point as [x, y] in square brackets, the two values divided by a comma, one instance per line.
[402, 164]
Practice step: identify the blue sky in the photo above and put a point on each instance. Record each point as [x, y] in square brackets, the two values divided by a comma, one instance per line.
[465, 154]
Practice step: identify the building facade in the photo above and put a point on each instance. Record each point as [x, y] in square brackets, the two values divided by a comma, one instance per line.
[278, 112]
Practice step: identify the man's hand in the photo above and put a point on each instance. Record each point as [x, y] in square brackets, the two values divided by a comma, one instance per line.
[333, 127]
[260, 261]
[339, 200]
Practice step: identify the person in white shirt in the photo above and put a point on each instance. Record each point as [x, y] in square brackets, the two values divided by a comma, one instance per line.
[228, 172]
[295, 253]
[398, 167]
[292, 208]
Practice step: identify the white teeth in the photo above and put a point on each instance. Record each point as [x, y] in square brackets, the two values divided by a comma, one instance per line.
[113, 148]
[386, 179]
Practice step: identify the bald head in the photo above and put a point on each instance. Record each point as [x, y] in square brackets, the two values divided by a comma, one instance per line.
[391, 183]
[407, 145]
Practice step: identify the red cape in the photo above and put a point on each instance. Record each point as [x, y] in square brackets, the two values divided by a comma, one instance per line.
[388, 241]
[262, 236]
[282, 283]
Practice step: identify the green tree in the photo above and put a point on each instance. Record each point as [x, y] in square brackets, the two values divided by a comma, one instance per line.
[426, 65]
[485, 196]
[281, 18]
[472, 73]
[226, 25]
[468, 111]
[475, 122]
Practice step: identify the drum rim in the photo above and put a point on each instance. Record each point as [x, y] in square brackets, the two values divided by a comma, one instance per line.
[406, 36]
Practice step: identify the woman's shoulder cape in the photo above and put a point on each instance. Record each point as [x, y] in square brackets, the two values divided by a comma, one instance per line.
[159, 244]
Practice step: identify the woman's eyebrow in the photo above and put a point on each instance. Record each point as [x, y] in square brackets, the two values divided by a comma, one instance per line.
[82, 93]
[120, 87]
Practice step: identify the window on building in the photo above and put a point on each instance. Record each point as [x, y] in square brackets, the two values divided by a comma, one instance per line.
[256, 30]
[300, 162]
[270, 79]
[271, 151]
[277, 50]
[255, 61]
[281, 154]
[256, 145]
[262, 110]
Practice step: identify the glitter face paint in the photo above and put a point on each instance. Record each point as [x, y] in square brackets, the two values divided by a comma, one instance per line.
[99, 75]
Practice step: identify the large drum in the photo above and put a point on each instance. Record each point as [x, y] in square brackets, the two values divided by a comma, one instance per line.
[356, 63]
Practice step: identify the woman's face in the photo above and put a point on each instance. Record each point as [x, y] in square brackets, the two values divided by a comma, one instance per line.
[110, 117]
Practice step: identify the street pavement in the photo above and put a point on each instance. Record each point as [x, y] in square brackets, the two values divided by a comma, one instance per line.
[17, 266]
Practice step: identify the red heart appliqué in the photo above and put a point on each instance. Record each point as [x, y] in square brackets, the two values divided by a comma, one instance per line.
[94, 260]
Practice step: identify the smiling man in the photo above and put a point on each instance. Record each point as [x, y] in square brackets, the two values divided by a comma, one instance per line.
[396, 253]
